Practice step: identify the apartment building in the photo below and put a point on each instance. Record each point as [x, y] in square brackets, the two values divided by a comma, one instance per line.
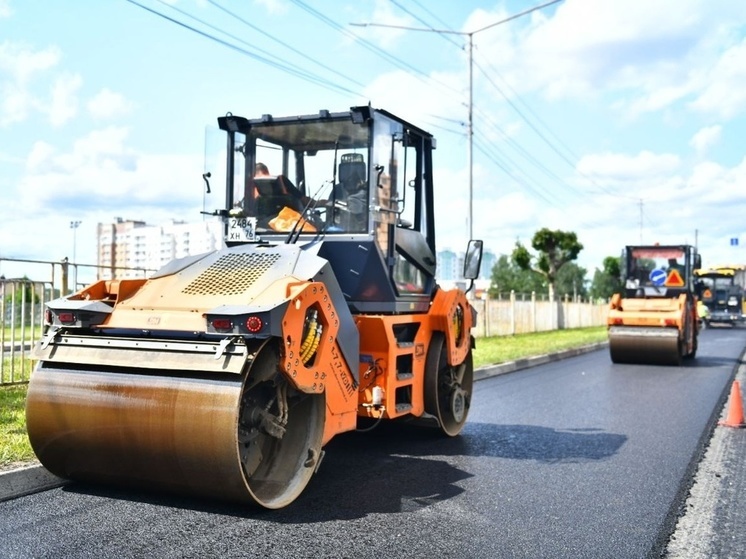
[450, 265]
[134, 249]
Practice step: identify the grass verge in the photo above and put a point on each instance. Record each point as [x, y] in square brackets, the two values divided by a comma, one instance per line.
[15, 448]
[502, 349]
[14, 445]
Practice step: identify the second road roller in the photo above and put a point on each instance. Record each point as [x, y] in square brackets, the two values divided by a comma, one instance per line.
[654, 320]
[224, 374]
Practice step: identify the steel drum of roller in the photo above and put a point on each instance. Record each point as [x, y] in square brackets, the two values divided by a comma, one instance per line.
[659, 346]
[246, 438]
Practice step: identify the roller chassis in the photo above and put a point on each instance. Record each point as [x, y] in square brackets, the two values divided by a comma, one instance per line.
[720, 292]
[654, 320]
[224, 374]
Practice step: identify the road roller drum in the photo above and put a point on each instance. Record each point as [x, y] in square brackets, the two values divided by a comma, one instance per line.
[245, 438]
[644, 345]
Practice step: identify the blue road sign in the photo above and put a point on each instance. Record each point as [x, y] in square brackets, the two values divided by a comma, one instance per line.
[658, 277]
[734, 241]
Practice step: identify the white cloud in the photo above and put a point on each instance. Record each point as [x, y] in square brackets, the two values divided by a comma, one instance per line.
[274, 7]
[384, 14]
[102, 171]
[100, 177]
[22, 63]
[724, 87]
[64, 102]
[653, 53]
[706, 137]
[19, 66]
[107, 104]
[625, 167]
[5, 9]
[40, 158]
[424, 98]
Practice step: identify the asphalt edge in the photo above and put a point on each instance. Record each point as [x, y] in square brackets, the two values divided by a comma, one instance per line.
[488, 371]
[26, 480]
[34, 478]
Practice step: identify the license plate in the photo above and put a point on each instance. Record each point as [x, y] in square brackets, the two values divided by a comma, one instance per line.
[241, 229]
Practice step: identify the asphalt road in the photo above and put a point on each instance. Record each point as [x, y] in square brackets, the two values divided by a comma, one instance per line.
[575, 458]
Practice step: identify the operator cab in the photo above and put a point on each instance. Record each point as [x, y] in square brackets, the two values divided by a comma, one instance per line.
[356, 187]
[658, 271]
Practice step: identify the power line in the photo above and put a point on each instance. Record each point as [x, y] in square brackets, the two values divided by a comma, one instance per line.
[285, 67]
[446, 36]
[431, 14]
[284, 44]
[525, 154]
[514, 171]
[546, 140]
[543, 137]
[396, 61]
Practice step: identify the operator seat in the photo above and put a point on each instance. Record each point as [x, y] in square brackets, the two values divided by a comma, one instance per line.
[351, 194]
[352, 173]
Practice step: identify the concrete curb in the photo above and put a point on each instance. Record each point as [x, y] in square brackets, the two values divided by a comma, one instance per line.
[503, 368]
[35, 477]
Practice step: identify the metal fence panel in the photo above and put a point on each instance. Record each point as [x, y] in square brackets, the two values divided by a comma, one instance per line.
[22, 309]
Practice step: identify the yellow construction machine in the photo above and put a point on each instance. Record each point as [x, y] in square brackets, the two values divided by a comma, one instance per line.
[720, 289]
[224, 374]
[654, 320]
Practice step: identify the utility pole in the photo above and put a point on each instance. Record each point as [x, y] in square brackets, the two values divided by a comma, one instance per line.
[640, 220]
[74, 226]
[470, 121]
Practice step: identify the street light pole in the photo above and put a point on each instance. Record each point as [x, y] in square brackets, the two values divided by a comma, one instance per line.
[74, 226]
[470, 132]
[470, 120]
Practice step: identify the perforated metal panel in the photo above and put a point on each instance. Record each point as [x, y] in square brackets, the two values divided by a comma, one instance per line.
[231, 274]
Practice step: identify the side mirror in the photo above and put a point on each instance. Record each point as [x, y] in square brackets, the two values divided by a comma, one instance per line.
[697, 261]
[473, 260]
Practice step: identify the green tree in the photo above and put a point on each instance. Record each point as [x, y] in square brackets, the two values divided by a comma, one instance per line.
[508, 276]
[608, 281]
[571, 281]
[554, 248]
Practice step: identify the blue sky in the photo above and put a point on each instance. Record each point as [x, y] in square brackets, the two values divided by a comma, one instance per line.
[621, 121]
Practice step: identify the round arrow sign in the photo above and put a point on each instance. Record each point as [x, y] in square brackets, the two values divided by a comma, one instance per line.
[658, 277]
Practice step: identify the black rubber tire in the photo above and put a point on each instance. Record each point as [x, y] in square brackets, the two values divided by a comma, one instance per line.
[447, 397]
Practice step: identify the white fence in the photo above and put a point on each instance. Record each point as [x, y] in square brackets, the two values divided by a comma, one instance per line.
[522, 315]
[22, 310]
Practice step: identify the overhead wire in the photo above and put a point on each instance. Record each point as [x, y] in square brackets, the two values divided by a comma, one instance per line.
[268, 60]
[525, 154]
[522, 151]
[516, 172]
[284, 44]
[542, 136]
[396, 61]
[446, 36]
[283, 65]
[431, 14]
